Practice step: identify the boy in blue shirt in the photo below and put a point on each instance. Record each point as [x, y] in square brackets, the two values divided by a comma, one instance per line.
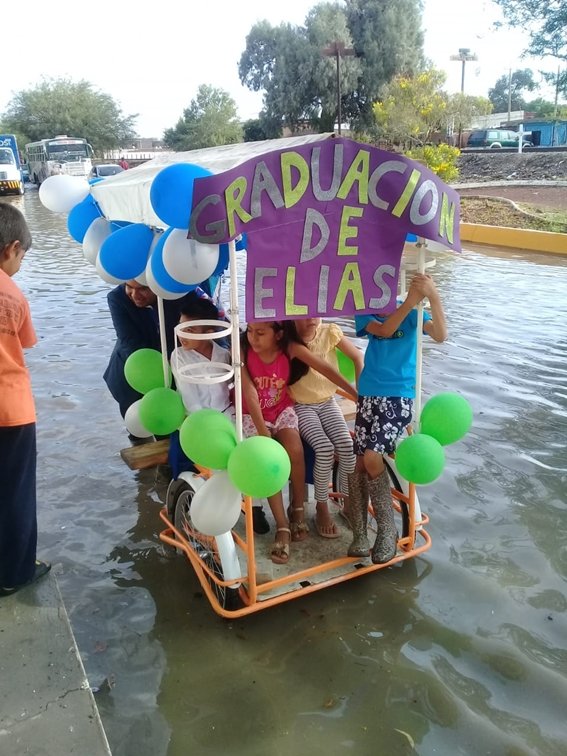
[386, 391]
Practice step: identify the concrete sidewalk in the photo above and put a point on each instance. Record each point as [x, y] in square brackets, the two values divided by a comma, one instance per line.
[46, 705]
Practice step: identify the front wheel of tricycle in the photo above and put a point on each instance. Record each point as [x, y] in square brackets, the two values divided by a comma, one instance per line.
[179, 497]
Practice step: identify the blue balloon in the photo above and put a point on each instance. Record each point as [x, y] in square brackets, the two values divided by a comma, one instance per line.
[161, 275]
[81, 216]
[411, 238]
[222, 264]
[171, 193]
[242, 243]
[124, 254]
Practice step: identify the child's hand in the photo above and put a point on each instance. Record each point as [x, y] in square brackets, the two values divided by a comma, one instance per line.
[422, 286]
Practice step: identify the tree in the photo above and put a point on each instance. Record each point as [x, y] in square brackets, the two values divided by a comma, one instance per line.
[545, 25]
[515, 85]
[388, 39]
[279, 60]
[210, 120]
[462, 109]
[411, 109]
[61, 106]
[299, 82]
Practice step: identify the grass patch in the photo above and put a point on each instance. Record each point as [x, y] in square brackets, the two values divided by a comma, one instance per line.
[492, 211]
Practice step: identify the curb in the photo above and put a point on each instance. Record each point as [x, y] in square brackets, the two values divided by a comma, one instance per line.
[518, 238]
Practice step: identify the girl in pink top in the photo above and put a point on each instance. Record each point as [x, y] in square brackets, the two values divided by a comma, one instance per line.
[271, 364]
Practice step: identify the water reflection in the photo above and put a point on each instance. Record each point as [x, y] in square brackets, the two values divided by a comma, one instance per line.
[461, 652]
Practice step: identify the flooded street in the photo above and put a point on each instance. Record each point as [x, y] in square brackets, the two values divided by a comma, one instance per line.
[463, 651]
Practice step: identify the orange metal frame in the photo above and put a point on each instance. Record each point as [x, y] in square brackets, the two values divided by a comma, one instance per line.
[251, 591]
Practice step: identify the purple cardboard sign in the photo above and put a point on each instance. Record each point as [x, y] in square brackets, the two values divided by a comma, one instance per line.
[326, 224]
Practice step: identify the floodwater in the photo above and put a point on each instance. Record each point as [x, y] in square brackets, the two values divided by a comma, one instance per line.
[463, 651]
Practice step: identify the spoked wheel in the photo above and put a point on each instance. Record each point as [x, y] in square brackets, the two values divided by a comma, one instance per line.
[179, 497]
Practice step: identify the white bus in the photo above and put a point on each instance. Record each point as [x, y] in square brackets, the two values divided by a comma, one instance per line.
[62, 154]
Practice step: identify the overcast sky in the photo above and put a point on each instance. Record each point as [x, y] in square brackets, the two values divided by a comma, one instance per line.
[151, 59]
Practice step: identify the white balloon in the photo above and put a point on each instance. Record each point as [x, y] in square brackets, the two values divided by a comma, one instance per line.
[156, 288]
[133, 423]
[61, 193]
[215, 507]
[97, 232]
[187, 260]
[104, 274]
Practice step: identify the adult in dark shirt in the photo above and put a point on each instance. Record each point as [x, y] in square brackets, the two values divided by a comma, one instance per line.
[134, 313]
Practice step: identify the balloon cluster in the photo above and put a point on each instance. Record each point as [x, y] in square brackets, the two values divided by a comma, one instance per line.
[160, 411]
[168, 262]
[445, 418]
[257, 466]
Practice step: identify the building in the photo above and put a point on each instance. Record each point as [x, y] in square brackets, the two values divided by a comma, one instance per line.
[546, 132]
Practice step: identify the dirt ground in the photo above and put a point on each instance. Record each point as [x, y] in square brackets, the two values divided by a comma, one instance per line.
[542, 207]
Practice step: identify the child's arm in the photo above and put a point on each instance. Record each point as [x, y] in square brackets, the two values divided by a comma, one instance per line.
[392, 323]
[251, 398]
[302, 353]
[346, 346]
[437, 326]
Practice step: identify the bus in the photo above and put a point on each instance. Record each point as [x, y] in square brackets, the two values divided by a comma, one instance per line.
[61, 154]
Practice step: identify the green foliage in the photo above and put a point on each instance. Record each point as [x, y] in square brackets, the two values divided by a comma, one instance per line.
[210, 120]
[545, 25]
[388, 38]
[61, 106]
[412, 108]
[462, 108]
[520, 82]
[299, 81]
[441, 159]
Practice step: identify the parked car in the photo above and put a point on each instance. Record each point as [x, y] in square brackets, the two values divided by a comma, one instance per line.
[104, 170]
[496, 138]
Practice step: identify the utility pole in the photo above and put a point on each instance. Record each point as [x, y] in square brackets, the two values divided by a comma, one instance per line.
[509, 95]
[338, 50]
[464, 56]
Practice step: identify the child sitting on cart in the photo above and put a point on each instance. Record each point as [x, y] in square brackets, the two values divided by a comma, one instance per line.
[384, 409]
[271, 363]
[197, 396]
[321, 421]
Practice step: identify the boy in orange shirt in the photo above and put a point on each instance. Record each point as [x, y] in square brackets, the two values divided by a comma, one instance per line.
[18, 521]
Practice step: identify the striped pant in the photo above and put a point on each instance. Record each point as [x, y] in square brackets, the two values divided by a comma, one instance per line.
[325, 430]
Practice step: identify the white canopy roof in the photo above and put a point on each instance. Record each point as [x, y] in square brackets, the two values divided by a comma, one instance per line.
[126, 195]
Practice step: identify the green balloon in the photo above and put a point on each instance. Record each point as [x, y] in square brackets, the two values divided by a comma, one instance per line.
[420, 459]
[161, 411]
[446, 417]
[144, 370]
[208, 438]
[346, 366]
[259, 467]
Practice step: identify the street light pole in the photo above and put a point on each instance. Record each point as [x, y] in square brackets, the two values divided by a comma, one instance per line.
[464, 56]
[337, 50]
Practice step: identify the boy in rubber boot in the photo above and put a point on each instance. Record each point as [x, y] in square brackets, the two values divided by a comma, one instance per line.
[386, 391]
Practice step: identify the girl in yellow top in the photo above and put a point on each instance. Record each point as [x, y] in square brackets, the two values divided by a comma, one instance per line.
[321, 422]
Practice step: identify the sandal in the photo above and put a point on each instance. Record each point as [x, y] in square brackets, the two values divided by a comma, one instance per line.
[280, 550]
[299, 530]
[326, 531]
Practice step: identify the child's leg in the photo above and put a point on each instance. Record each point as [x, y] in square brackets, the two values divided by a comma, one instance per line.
[280, 549]
[311, 429]
[337, 431]
[392, 414]
[290, 439]
[358, 510]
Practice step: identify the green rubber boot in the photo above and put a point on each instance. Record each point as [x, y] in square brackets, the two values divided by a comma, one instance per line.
[358, 513]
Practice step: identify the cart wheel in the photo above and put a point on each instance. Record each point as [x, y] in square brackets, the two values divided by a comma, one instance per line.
[179, 498]
[403, 506]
